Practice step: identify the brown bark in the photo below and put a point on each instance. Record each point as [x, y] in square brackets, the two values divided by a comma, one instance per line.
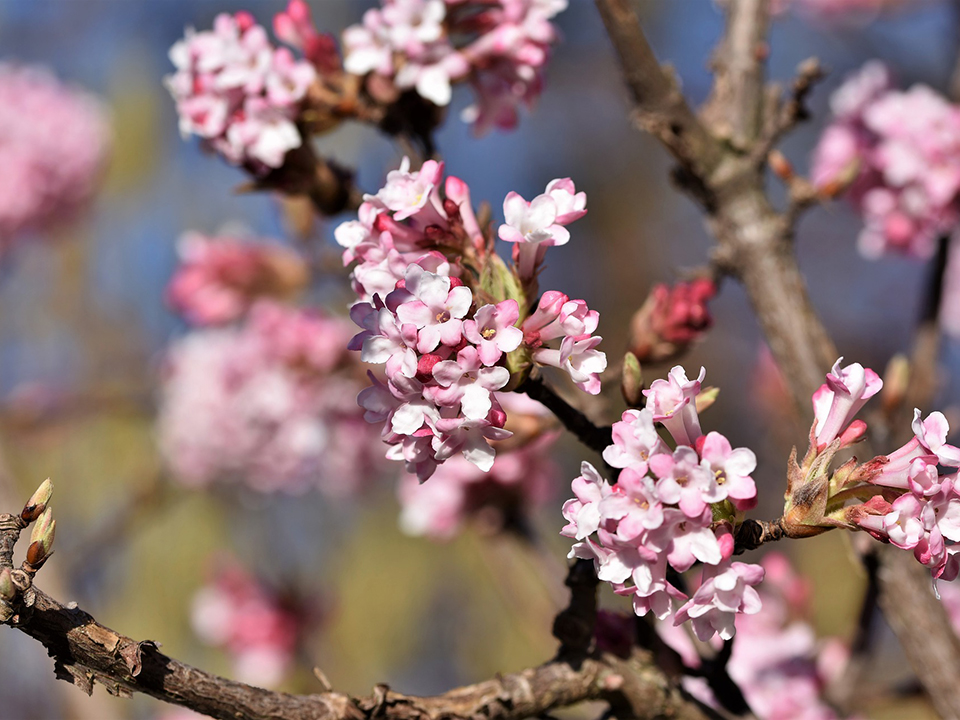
[755, 244]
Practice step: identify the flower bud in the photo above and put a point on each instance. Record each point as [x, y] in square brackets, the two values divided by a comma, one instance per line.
[671, 319]
[37, 502]
[631, 381]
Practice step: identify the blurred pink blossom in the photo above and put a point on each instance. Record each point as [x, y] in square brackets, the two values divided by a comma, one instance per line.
[220, 277]
[500, 47]
[898, 155]
[269, 404]
[250, 622]
[54, 142]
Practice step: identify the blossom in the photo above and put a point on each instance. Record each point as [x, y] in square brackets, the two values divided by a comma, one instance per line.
[900, 150]
[249, 620]
[671, 319]
[660, 516]
[268, 404]
[220, 277]
[238, 93]
[837, 401]
[519, 481]
[673, 403]
[725, 590]
[426, 46]
[54, 148]
[492, 330]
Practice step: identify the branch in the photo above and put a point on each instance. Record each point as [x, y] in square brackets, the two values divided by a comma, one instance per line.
[86, 652]
[594, 437]
[738, 89]
[659, 107]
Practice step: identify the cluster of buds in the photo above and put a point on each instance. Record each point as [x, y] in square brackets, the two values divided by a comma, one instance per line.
[500, 47]
[900, 498]
[220, 277]
[38, 511]
[671, 319]
[450, 322]
[14, 583]
[669, 508]
[238, 92]
[897, 153]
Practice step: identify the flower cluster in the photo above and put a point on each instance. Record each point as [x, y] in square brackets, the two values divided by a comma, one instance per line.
[900, 153]
[54, 145]
[270, 403]
[925, 517]
[220, 277]
[777, 660]
[901, 498]
[501, 47]
[238, 92]
[669, 509]
[671, 319]
[447, 346]
[238, 613]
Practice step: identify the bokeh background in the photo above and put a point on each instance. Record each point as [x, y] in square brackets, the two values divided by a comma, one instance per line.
[83, 329]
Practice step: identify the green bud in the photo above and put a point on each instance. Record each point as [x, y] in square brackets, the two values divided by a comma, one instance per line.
[37, 502]
[631, 381]
[8, 591]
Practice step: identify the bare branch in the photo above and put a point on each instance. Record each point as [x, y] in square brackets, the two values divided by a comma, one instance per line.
[659, 106]
[738, 90]
[86, 652]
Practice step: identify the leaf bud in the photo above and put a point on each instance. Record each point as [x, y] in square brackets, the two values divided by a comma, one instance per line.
[37, 502]
[41, 539]
[8, 591]
[631, 381]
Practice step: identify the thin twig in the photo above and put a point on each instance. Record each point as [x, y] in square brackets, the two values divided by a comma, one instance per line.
[594, 437]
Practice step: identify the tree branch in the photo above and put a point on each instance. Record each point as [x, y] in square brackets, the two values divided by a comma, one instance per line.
[594, 437]
[754, 244]
[86, 652]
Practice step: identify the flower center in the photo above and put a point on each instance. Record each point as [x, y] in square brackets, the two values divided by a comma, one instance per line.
[488, 333]
[443, 316]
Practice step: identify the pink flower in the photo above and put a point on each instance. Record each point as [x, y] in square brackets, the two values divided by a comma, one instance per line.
[492, 330]
[731, 467]
[531, 225]
[671, 319]
[635, 440]
[436, 309]
[54, 148]
[583, 512]
[238, 93]
[467, 382]
[571, 205]
[837, 402]
[246, 618]
[673, 403]
[295, 27]
[219, 277]
[726, 590]
[683, 481]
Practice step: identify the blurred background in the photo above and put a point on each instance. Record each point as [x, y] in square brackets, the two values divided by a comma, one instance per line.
[83, 330]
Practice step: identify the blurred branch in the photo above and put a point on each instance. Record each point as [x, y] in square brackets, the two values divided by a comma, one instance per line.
[755, 245]
[86, 652]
